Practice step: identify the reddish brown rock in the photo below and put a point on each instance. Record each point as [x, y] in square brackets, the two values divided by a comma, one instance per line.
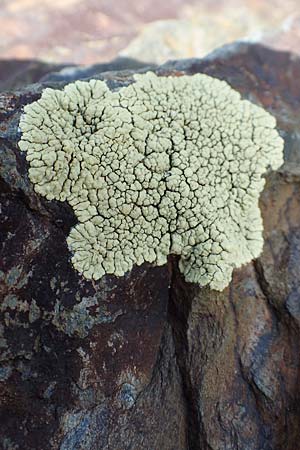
[148, 361]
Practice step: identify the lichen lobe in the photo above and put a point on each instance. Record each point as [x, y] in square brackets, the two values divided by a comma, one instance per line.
[167, 165]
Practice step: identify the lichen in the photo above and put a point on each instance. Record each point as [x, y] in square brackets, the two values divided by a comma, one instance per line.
[166, 165]
[80, 319]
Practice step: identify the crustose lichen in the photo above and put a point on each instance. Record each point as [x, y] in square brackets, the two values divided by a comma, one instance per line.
[167, 165]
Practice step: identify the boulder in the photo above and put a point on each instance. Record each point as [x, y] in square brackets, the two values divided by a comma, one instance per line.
[148, 361]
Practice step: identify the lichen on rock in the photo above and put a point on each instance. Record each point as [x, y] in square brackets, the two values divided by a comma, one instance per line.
[166, 165]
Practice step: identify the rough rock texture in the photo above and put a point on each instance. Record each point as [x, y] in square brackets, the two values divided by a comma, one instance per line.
[148, 361]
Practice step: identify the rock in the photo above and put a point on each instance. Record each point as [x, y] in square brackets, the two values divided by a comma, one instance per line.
[189, 34]
[15, 74]
[84, 31]
[148, 361]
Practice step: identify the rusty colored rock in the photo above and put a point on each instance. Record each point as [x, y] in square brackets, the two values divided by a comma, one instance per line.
[148, 361]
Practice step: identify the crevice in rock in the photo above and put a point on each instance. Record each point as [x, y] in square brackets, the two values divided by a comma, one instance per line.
[288, 331]
[263, 285]
[179, 309]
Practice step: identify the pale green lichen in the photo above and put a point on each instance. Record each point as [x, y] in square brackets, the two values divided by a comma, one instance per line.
[167, 165]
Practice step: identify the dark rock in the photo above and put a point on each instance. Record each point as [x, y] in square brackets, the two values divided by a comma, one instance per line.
[72, 73]
[16, 73]
[148, 361]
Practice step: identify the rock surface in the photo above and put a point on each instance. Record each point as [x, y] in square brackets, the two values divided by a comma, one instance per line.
[89, 31]
[148, 361]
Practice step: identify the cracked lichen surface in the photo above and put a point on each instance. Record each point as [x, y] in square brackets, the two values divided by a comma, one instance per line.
[166, 165]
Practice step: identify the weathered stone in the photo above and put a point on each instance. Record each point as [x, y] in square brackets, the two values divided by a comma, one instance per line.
[148, 361]
[15, 74]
